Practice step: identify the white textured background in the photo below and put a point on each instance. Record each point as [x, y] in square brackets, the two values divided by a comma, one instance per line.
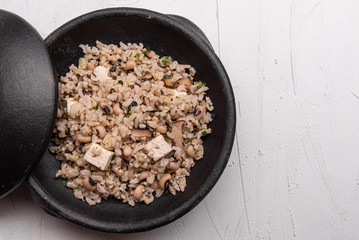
[294, 169]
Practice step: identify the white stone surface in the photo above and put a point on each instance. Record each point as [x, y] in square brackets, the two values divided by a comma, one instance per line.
[294, 169]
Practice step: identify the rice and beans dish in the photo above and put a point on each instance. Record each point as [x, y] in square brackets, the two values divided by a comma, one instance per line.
[129, 124]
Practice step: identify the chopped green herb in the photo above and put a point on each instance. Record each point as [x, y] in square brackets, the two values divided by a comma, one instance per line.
[204, 133]
[89, 86]
[113, 157]
[148, 49]
[200, 123]
[163, 104]
[161, 91]
[151, 115]
[168, 140]
[167, 76]
[177, 81]
[137, 55]
[183, 144]
[120, 82]
[166, 192]
[141, 181]
[65, 94]
[64, 181]
[94, 74]
[63, 115]
[119, 73]
[114, 78]
[200, 85]
[110, 169]
[189, 141]
[95, 107]
[195, 131]
[129, 110]
[166, 61]
[165, 116]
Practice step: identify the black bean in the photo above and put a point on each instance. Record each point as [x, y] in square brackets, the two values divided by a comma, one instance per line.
[85, 92]
[107, 109]
[92, 182]
[112, 68]
[167, 183]
[156, 105]
[197, 112]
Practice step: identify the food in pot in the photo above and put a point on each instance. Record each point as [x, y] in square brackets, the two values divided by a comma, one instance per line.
[129, 124]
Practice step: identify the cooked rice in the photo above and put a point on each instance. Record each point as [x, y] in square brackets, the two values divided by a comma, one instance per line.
[152, 77]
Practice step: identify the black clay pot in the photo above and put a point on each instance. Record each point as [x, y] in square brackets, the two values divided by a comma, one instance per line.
[167, 35]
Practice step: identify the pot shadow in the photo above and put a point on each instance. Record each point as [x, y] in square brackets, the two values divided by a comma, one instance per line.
[19, 207]
[11, 205]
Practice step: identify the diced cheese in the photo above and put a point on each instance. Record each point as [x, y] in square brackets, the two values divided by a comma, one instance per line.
[98, 156]
[73, 107]
[177, 93]
[100, 73]
[157, 148]
[70, 103]
[82, 63]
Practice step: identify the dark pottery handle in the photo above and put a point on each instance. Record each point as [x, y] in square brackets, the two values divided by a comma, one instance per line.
[189, 24]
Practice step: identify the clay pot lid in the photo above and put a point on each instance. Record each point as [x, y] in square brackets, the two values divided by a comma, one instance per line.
[28, 100]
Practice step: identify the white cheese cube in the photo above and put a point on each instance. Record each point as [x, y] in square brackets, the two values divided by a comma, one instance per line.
[100, 73]
[73, 107]
[98, 156]
[157, 148]
[70, 102]
[177, 93]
